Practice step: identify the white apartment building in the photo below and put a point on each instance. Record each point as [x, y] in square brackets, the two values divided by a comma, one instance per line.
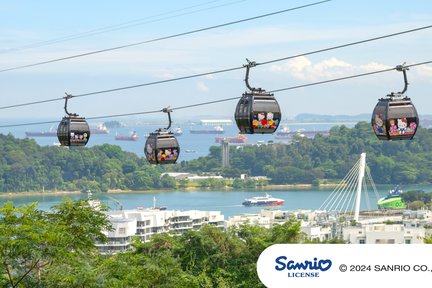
[384, 234]
[146, 222]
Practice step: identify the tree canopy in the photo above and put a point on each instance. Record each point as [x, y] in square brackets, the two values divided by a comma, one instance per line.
[328, 157]
[26, 166]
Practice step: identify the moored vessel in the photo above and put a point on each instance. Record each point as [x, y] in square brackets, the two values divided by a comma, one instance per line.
[214, 130]
[100, 129]
[393, 200]
[239, 138]
[131, 137]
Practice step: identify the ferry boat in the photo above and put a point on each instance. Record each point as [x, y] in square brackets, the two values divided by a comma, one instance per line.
[393, 200]
[267, 200]
[131, 137]
[239, 138]
[214, 130]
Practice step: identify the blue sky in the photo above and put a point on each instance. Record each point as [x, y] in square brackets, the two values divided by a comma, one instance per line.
[28, 23]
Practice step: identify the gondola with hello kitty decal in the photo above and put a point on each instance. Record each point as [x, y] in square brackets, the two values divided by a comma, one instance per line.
[72, 131]
[395, 117]
[162, 146]
[257, 111]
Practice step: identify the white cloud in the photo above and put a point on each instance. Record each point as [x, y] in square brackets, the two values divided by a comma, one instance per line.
[425, 71]
[201, 86]
[303, 69]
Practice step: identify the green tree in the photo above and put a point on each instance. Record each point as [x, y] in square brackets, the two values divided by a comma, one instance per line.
[41, 249]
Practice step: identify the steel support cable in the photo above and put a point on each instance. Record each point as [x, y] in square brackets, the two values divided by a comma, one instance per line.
[197, 104]
[348, 195]
[121, 26]
[210, 73]
[343, 186]
[346, 189]
[162, 38]
[335, 194]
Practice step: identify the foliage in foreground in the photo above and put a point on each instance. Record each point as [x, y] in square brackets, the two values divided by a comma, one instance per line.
[56, 249]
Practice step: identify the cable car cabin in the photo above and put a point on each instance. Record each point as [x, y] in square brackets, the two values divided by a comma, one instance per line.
[395, 119]
[257, 112]
[73, 131]
[162, 148]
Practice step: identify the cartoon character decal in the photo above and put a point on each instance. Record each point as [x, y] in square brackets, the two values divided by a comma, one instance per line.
[402, 126]
[78, 137]
[379, 126]
[167, 154]
[393, 128]
[150, 152]
[265, 120]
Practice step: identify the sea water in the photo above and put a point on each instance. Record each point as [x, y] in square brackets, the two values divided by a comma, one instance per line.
[192, 146]
[229, 202]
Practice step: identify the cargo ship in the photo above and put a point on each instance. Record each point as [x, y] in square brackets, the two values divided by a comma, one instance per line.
[239, 138]
[214, 130]
[101, 129]
[267, 200]
[285, 132]
[41, 134]
[131, 137]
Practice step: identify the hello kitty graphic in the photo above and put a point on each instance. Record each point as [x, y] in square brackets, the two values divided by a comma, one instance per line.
[261, 120]
[402, 125]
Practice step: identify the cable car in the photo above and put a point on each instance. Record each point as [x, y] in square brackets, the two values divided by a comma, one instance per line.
[257, 111]
[395, 117]
[72, 129]
[162, 146]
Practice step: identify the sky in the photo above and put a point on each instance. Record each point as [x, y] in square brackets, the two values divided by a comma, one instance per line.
[37, 31]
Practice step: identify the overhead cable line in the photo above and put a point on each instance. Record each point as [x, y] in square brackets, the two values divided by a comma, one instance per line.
[120, 26]
[164, 38]
[347, 77]
[225, 99]
[347, 45]
[218, 71]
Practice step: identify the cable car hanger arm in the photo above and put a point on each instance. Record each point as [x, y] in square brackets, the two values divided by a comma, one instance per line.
[403, 68]
[248, 66]
[168, 110]
[67, 97]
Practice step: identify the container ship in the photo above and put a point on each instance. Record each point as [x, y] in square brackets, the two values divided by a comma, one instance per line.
[239, 138]
[131, 137]
[41, 133]
[101, 129]
[214, 130]
[267, 200]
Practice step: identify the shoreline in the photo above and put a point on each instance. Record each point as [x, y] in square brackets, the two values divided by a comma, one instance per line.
[185, 189]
